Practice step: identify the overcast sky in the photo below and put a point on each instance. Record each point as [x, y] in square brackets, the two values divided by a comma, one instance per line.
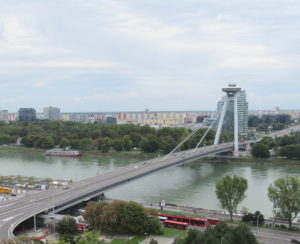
[128, 55]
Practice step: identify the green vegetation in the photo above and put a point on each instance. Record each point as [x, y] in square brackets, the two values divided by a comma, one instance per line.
[260, 150]
[67, 228]
[285, 195]
[122, 218]
[101, 137]
[231, 191]
[222, 233]
[254, 218]
[278, 122]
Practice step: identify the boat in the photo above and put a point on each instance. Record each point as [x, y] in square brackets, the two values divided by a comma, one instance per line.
[63, 153]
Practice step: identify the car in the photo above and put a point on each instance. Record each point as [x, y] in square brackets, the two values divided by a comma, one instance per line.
[13, 194]
[295, 241]
[65, 187]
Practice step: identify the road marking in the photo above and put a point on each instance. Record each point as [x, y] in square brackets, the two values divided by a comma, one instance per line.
[10, 218]
[3, 206]
[274, 236]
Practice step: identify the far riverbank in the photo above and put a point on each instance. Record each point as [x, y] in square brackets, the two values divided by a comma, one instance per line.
[251, 160]
[138, 154]
[112, 153]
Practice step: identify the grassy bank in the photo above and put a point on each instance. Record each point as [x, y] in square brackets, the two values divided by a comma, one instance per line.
[129, 154]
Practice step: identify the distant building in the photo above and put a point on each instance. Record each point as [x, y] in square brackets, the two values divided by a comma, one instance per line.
[26, 114]
[4, 116]
[111, 120]
[51, 113]
[12, 117]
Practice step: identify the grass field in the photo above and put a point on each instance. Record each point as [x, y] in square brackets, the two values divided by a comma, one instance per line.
[167, 232]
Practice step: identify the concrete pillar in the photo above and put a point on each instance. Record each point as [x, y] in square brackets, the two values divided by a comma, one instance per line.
[219, 129]
[236, 126]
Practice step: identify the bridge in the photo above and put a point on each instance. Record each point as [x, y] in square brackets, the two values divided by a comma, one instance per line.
[14, 212]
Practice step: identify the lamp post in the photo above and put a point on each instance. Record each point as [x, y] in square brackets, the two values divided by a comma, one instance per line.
[34, 216]
[257, 223]
[53, 206]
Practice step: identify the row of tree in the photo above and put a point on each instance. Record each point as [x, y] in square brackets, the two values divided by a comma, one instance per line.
[284, 193]
[47, 134]
[222, 233]
[262, 123]
[287, 146]
[122, 218]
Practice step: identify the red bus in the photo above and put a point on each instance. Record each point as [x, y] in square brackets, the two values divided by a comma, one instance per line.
[176, 224]
[213, 221]
[189, 221]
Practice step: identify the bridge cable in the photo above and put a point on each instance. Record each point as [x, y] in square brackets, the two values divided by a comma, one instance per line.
[193, 133]
[182, 142]
[209, 128]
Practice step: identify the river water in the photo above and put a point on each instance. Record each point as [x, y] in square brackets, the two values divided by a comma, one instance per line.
[192, 184]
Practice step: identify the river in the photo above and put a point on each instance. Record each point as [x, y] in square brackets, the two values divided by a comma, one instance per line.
[192, 184]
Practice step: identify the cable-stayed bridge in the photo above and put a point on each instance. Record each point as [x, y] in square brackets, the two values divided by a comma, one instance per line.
[12, 213]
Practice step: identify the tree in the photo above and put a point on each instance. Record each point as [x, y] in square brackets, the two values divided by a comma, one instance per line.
[285, 195]
[167, 143]
[31, 181]
[255, 218]
[117, 144]
[65, 143]
[291, 151]
[105, 144]
[86, 144]
[47, 142]
[150, 144]
[221, 233]
[260, 150]
[121, 217]
[66, 226]
[127, 143]
[231, 191]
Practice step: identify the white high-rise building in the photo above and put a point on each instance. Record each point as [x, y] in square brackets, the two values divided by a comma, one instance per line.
[233, 110]
[242, 109]
[52, 113]
[4, 116]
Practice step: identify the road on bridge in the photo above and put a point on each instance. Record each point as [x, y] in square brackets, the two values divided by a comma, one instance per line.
[13, 212]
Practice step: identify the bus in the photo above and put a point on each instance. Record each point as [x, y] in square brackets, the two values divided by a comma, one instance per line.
[189, 221]
[213, 221]
[4, 190]
[176, 224]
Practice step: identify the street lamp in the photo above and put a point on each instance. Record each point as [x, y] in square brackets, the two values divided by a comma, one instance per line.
[53, 206]
[257, 223]
[34, 216]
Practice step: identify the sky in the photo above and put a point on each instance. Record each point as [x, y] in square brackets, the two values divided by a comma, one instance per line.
[129, 55]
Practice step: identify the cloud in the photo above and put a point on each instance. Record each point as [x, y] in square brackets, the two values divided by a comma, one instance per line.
[156, 54]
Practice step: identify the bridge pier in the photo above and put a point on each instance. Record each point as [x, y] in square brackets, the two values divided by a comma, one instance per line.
[99, 198]
[232, 93]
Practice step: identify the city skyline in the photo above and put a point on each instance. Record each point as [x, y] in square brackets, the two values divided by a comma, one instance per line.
[163, 55]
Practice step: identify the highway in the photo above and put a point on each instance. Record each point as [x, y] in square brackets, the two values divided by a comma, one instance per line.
[14, 212]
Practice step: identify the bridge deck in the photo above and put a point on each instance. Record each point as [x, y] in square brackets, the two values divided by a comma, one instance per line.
[14, 212]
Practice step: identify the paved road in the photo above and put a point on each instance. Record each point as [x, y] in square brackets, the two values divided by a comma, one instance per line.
[284, 132]
[13, 212]
[266, 236]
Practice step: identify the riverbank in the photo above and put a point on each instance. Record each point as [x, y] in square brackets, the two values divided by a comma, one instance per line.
[251, 160]
[144, 156]
[112, 153]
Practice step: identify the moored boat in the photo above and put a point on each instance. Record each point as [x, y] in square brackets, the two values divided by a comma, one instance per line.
[62, 153]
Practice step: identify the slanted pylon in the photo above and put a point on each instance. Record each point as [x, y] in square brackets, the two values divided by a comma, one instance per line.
[232, 92]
